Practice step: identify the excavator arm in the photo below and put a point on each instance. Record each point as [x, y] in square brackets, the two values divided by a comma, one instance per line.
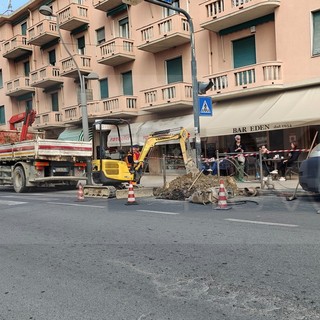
[178, 134]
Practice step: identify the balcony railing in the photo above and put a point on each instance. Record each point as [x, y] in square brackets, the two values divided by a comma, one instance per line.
[18, 87]
[16, 47]
[124, 106]
[71, 114]
[106, 5]
[43, 32]
[259, 78]
[69, 69]
[51, 119]
[222, 14]
[116, 51]
[169, 32]
[168, 97]
[45, 77]
[73, 16]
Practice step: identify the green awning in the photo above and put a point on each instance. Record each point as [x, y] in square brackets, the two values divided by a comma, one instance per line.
[73, 134]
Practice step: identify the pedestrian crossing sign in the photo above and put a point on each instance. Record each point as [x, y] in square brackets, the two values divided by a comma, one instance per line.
[205, 106]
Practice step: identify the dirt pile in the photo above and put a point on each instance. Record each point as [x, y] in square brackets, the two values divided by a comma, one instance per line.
[184, 186]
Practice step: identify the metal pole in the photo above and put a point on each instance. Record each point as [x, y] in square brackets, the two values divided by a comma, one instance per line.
[195, 95]
[83, 100]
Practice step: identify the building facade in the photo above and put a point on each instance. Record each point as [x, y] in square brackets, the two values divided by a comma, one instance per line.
[262, 56]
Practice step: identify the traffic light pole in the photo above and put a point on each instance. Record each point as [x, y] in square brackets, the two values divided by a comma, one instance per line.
[195, 96]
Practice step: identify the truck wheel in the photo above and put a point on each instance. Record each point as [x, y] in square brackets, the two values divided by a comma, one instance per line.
[19, 180]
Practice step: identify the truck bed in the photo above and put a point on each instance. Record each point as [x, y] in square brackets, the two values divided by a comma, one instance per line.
[47, 149]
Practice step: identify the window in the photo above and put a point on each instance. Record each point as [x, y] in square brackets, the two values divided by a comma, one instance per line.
[101, 38]
[81, 45]
[127, 83]
[1, 79]
[55, 101]
[316, 33]
[29, 105]
[169, 12]
[124, 28]
[26, 68]
[24, 29]
[174, 70]
[52, 57]
[2, 115]
[244, 52]
[104, 89]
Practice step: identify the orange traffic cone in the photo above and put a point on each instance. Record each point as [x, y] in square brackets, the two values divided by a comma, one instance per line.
[131, 197]
[80, 193]
[222, 199]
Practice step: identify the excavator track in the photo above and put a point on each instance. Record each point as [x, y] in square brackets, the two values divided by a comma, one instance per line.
[99, 191]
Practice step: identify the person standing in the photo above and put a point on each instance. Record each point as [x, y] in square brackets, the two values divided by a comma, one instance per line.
[239, 148]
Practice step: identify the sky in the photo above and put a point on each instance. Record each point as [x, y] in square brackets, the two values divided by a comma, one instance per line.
[15, 4]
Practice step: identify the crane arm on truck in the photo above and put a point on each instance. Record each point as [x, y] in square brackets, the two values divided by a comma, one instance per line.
[27, 118]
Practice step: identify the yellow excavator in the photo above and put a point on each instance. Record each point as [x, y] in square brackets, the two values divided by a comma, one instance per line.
[111, 169]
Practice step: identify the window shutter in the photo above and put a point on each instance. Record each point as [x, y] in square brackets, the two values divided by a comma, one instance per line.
[104, 89]
[316, 33]
[174, 70]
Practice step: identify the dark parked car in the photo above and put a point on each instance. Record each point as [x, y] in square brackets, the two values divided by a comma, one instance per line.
[309, 171]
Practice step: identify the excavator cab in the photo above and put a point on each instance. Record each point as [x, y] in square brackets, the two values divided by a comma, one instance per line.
[109, 167]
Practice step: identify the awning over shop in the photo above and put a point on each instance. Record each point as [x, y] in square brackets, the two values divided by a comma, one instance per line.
[284, 110]
[141, 130]
[71, 134]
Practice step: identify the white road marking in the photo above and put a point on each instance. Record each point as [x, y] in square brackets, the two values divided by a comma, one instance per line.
[29, 197]
[265, 223]
[11, 203]
[76, 205]
[162, 212]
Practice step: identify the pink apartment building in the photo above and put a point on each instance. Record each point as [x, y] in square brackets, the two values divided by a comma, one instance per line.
[263, 57]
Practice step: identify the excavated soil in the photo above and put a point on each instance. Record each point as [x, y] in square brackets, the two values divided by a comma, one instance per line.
[184, 186]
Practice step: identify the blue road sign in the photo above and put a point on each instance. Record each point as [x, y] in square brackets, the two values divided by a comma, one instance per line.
[205, 106]
[167, 1]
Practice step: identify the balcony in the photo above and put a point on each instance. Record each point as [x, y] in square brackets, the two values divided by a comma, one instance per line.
[18, 87]
[255, 79]
[69, 68]
[116, 51]
[105, 5]
[72, 115]
[170, 32]
[48, 120]
[73, 16]
[43, 32]
[45, 77]
[222, 14]
[16, 47]
[121, 106]
[174, 96]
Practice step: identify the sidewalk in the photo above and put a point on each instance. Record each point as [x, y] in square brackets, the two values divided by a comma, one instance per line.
[279, 186]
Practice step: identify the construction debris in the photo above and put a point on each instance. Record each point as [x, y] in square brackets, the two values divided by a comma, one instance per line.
[203, 190]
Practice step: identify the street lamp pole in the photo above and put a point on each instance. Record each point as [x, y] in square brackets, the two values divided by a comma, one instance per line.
[47, 11]
[195, 95]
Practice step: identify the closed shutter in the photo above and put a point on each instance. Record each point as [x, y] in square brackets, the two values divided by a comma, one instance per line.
[2, 115]
[55, 101]
[174, 70]
[316, 33]
[127, 83]
[104, 89]
[26, 66]
[244, 52]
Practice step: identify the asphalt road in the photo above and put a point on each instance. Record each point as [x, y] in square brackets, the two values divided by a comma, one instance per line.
[101, 259]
